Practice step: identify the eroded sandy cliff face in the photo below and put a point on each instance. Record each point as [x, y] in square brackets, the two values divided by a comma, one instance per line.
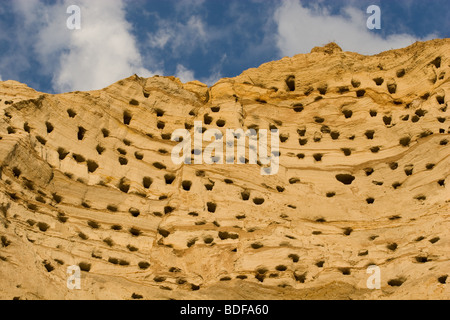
[87, 179]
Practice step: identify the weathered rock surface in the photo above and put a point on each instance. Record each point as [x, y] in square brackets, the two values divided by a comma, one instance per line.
[87, 179]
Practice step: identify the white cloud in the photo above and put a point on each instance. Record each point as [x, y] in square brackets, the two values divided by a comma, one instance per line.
[184, 74]
[102, 52]
[212, 79]
[161, 38]
[216, 73]
[180, 37]
[188, 6]
[300, 29]
[183, 36]
[1, 78]
[187, 75]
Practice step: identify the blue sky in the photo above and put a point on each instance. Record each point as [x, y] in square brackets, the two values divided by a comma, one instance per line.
[193, 39]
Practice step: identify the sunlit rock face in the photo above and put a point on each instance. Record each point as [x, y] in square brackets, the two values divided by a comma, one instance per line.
[88, 180]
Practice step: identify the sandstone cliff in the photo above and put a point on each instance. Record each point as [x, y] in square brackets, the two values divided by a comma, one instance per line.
[87, 179]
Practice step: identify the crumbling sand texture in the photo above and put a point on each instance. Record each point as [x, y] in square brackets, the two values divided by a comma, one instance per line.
[87, 179]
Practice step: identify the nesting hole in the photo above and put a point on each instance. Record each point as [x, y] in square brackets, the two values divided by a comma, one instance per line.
[335, 135]
[290, 82]
[138, 155]
[169, 178]
[345, 271]
[159, 166]
[347, 231]
[92, 166]
[392, 246]
[443, 279]
[43, 226]
[258, 201]
[220, 123]
[147, 182]
[207, 119]
[245, 195]
[396, 282]
[396, 185]
[257, 245]
[298, 107]
[302, 142]
[161, 125]
[319, 119]
[127, 116]
[409, 170]
[387, 120]
[378, 81]
[356, 83]
[100, 149]
[186, 185]
[112, 208]
[400, 73]
[437, 62]
[134, 212]
[71, 113]
[318, 157]
[49, 127]
[93, 224]
[360, 93]
[392, 88]
[16, 172]
[62, 153]
[105, 133]
[211, 207]
[84, 266]
[347, 152]
[430, 166]
[343, 89]
[39, 139]
[78, 158]
[346, 179]
[323, 89]
[135, 232]
[405, 141]
[375, 149]
[347, 113]
[369, 134]
[123, 161]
